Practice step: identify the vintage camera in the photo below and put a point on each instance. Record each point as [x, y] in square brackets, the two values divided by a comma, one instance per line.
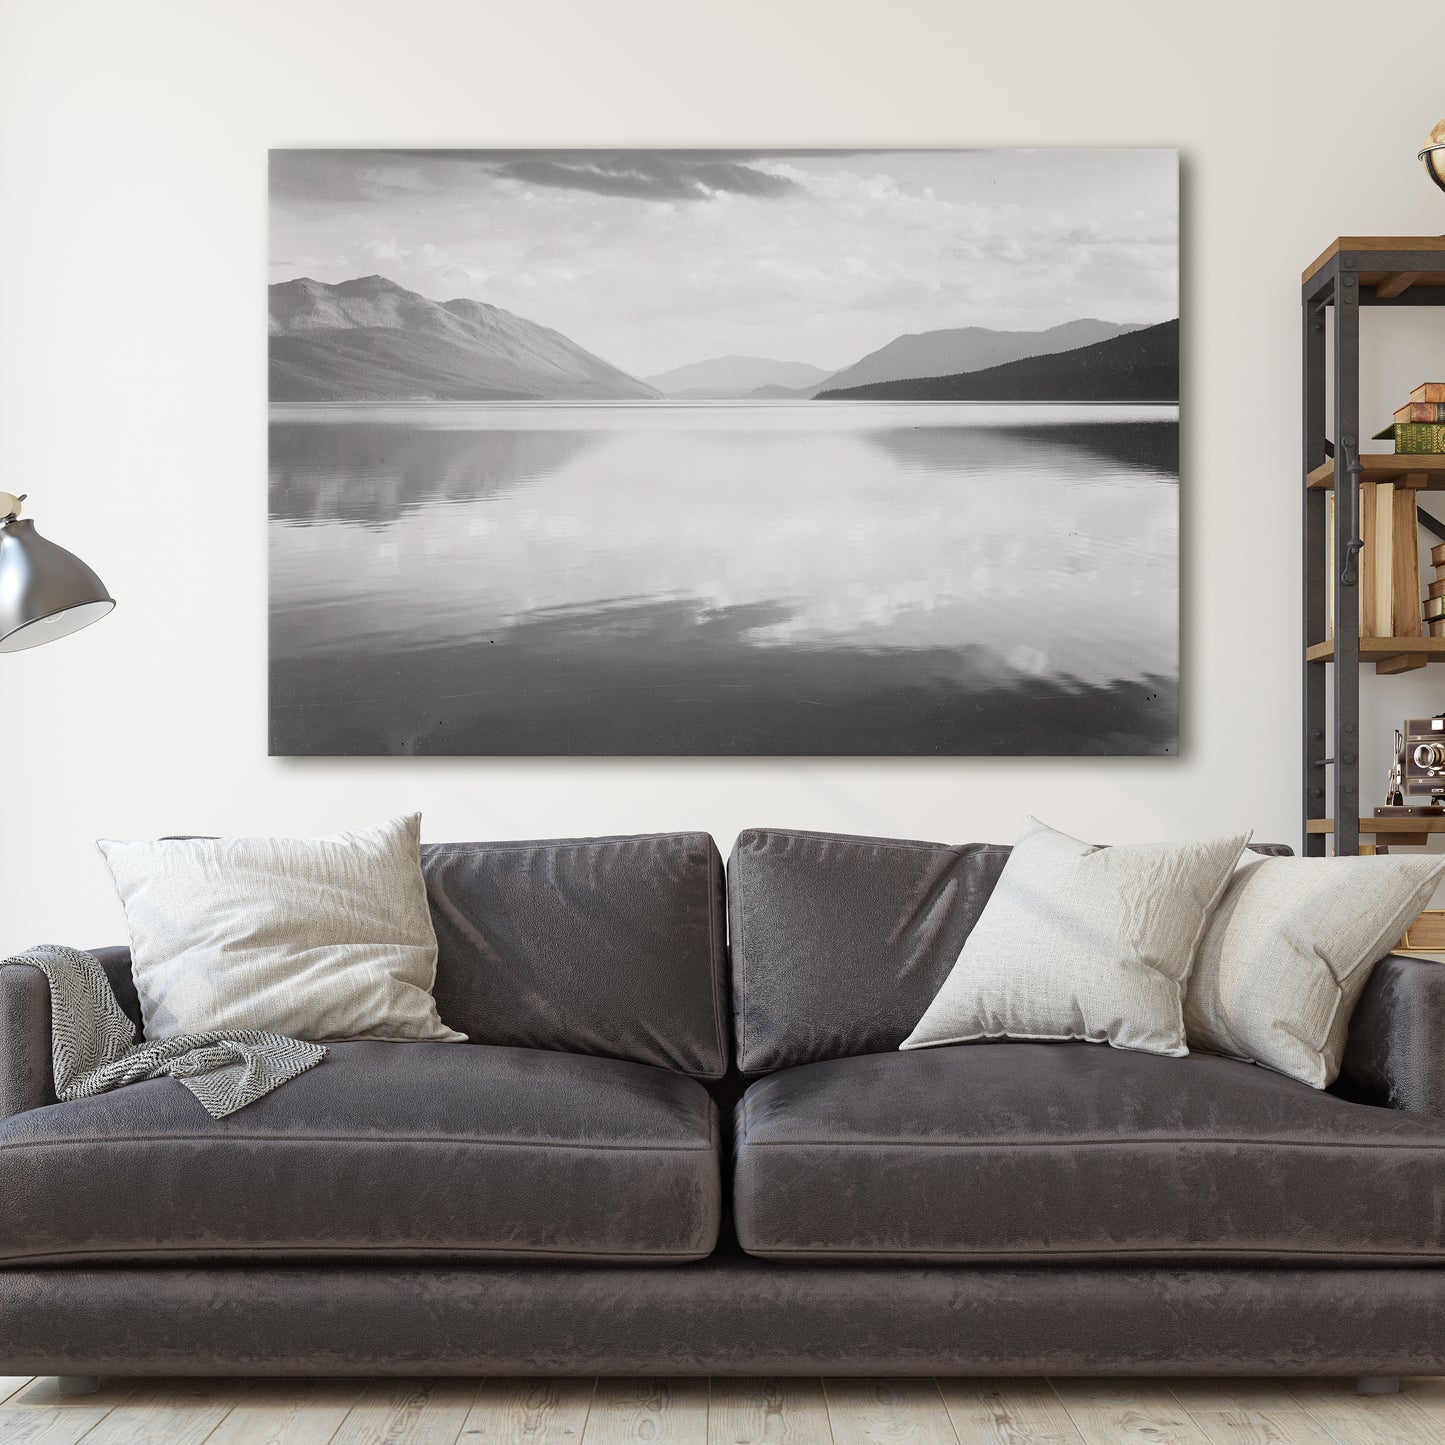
[1417, 776]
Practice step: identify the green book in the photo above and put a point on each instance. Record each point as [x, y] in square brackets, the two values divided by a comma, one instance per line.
[1415, 436]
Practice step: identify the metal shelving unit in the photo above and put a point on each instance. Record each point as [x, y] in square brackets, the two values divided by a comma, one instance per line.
[1354, 271]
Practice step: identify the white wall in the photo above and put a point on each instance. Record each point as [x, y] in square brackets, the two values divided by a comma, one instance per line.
[133, 143]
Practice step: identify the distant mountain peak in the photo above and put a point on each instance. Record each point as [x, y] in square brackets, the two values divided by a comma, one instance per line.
[733, 376]
[297, 283]
[466, 306]
[370, 286]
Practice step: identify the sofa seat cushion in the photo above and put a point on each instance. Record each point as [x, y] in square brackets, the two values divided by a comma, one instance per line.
[1076, 1152]
[386, 1150]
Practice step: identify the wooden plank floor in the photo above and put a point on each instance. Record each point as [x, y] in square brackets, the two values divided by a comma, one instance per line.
[721, 1412]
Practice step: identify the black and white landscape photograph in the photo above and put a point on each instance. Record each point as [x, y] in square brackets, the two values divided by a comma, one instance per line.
[844, 452]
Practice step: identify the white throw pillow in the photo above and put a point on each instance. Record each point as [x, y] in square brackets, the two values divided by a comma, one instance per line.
[1289, 951]
[314, 938]
[1082, 942]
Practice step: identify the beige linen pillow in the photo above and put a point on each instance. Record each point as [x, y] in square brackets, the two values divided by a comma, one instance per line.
[314, 938]
[1289, 951]
[1081, 942]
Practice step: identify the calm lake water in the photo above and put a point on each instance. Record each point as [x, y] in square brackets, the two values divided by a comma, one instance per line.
[820, 578]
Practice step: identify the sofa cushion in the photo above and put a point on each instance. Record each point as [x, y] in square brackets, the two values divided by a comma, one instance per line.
[1288, 953]
[384, 1151]
[313, 938]
[1082, 942]
[840, 943]
[607, 946]
[1074, 1152]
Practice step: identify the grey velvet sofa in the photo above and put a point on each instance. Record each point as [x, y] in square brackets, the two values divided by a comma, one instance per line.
[661, 1156]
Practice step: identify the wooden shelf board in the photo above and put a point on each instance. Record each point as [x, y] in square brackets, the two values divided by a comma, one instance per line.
[1424, 471]
[1381, 649]
[1396, 826]
[1378, 243]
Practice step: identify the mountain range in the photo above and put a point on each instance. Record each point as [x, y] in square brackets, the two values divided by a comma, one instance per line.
[371, 340]
[1142, 365]
[947, 352]
[967, 348]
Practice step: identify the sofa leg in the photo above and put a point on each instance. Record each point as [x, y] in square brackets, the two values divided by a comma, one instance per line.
[77, 1384]
[1377, 1384]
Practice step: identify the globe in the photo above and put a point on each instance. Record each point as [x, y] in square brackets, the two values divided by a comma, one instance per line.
[1434, 155]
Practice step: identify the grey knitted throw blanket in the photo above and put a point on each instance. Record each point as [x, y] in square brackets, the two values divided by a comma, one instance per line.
[92, 1048]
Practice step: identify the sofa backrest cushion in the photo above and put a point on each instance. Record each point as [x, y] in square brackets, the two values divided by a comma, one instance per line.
[607, 946]
[839, 943]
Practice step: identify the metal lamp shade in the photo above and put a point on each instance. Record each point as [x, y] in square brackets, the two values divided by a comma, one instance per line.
[45, 591]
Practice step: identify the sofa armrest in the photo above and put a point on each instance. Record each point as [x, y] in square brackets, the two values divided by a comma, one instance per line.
[26, 1081]
[1395, 1053]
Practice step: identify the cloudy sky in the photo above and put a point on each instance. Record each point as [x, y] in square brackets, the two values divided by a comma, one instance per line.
[653, 259]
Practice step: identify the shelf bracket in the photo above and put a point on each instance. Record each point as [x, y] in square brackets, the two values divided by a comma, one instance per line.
[1397, 283]
[1349, 572]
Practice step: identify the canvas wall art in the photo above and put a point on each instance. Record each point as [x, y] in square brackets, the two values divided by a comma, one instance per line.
[724, 452]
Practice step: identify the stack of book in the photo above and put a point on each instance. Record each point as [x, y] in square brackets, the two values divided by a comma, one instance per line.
[1389, 565]
[1425, 937]
[1435, 601]
[1419, 425]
